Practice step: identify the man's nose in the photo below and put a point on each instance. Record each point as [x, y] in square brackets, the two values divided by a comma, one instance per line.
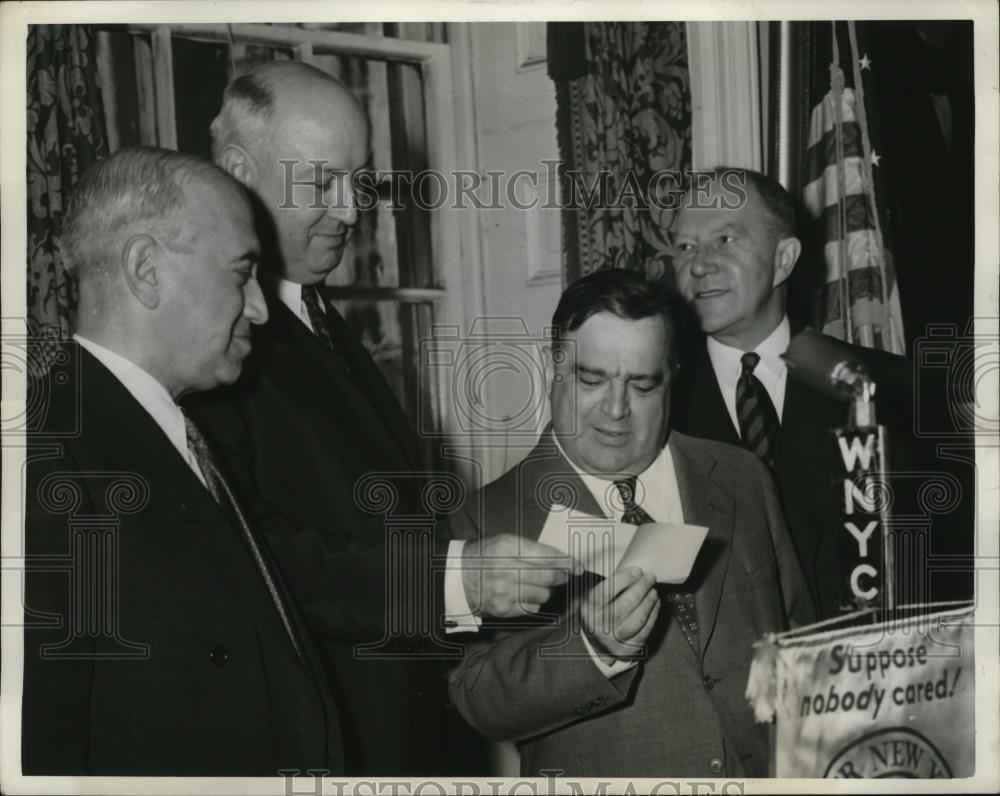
[615, 402]
[343, 205]
[703, 263]
[254, 305]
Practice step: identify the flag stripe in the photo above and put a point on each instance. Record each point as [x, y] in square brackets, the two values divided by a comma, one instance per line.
[862, 251]
[824, 152]
[823, 117]
[825, 189]
[858, 216]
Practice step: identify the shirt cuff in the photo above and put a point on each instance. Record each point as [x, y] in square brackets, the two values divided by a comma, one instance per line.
[458, 616]
[607, 670]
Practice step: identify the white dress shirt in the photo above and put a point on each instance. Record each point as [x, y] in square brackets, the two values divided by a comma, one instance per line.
[458, 614]
[290, 294]
[656, 492]
[151, 395]
[771, 370]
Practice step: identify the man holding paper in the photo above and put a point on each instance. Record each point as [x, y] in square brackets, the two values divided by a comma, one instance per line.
[628, 678]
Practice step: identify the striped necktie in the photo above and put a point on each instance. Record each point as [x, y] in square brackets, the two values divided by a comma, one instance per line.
[312, 299]
[758, 420]
[223, 494]
[681, 602]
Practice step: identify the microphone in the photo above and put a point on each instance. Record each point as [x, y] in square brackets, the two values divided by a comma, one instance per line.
[859, 455]
[832, 368]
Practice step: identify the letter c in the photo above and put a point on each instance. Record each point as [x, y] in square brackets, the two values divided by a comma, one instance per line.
[859, 571]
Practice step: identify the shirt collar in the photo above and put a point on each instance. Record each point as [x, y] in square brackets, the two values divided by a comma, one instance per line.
[150, 393]
[290, 294]
[726, 359]
[660, 472]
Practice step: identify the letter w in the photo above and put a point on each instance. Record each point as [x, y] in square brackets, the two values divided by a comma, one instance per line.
[851, 455]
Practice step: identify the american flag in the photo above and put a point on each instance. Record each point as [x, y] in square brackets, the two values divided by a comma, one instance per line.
[861, 297]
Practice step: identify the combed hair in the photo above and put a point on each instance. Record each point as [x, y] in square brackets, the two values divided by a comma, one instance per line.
[247, 109]
[136, 185]
[777, 201]
[626, 294]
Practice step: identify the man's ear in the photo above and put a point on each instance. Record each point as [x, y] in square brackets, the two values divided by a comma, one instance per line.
[139, 266]
[786, 254]
[237, 161]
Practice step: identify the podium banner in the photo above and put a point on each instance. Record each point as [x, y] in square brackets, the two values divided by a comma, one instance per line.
[894, 699]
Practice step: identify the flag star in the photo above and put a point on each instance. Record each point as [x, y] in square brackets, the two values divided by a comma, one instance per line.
[865, 62]
[875, 158]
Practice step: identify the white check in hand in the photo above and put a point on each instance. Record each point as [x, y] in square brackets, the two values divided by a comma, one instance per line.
[665, 550]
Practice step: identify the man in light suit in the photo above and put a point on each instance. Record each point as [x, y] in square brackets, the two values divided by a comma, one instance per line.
[652, 684]
[736, 249]
[314, 417]
[160, 638]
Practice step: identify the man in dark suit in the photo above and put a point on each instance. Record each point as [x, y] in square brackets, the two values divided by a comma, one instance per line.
[316, 420]
[595, 703]
[736, 248]
[159, 638]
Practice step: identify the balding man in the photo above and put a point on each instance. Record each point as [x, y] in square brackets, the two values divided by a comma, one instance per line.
[315, 416]
[159, 636]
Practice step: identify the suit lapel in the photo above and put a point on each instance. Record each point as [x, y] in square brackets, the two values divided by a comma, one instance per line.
[113, 415]
[545, 472]
[806, 408]
[303, 360]
[803, 460]
[372, 382]
[698, 405]
[707, 503]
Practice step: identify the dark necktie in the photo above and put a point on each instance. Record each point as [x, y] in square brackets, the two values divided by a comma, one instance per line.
[758, 420]
[317, 317]
[681, 602]
[223, 494]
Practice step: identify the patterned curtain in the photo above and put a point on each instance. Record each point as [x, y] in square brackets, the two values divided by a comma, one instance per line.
[624, 115]
[65, 136]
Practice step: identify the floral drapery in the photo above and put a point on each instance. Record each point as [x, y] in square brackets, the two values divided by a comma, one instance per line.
[624, 115]
[65, 135]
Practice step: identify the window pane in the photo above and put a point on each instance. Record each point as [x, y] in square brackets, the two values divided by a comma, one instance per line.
[120, 89]
[202, 70]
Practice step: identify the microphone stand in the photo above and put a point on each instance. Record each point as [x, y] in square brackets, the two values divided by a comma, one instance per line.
[858, 453]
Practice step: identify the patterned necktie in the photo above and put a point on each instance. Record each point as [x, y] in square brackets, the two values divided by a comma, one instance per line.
[311, 298]
[681, 602]
[758, 420]
[223, 494]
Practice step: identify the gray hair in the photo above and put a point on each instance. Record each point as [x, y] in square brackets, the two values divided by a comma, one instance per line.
[247, 110]
[248, 103]
[136, 185]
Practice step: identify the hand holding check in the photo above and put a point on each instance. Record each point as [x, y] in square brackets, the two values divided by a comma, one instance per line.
[507, 576]
[618, 614]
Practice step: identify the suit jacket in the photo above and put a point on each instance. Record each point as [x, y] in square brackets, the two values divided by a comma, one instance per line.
[309, 431]
[677, 713]
[195, 674]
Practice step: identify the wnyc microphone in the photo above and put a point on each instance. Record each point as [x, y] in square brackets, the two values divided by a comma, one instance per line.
[859, 465]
